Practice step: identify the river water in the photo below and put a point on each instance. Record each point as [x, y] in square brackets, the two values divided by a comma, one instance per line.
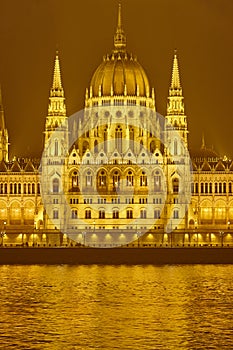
[116, 307]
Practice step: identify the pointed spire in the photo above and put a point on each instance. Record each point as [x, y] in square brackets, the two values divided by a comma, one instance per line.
[175, 83]
[2, 119]
[203, 146]
[119, 25]
[3, 133]
[57, 100]
[119, 37]
[57, 89]
[175, 99]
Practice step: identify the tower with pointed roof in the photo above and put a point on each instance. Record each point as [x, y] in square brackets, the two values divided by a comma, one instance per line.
[176, 119]
[55, 150]
[57, 108]
[3, 133]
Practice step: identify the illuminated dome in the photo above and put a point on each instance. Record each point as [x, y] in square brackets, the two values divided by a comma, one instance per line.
[120, 74]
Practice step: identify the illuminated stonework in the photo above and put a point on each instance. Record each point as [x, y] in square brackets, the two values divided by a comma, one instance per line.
[126, 172]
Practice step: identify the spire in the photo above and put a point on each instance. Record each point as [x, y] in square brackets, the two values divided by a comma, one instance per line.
[57, 100]
[2, 119]
[3, 133]
[175, 99]
[56, 116]
[119, 37]
[175, 106]
[175, 83]
[203, 146]
[57, 89]
[119, 17]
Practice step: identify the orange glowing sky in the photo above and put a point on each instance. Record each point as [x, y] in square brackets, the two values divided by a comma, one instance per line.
[201, 31]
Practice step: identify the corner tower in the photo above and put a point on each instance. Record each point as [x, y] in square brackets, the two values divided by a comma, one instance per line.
[57, 108]
[176, 118]
[55, 154]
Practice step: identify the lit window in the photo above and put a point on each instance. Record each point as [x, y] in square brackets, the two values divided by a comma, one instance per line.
[116, 180]
[129, 179]
[102, 179]
[157, 182]
[75, 182]
[143, 179]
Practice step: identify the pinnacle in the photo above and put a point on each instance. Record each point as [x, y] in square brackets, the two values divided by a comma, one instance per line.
[175, 83]
[119, 37]
[57, 85]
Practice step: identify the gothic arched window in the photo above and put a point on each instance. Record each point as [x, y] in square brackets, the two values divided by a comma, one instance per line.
[55, 185]
[175, 148]
[116, 179]
[129, 178]
[143, 214]
[102, 179]
[143, 179]
[118, 139]
[175, 185]
[74, 214]
[131, 139]
[88, 178]
[56, 148]
[115, 214]
[74, 179]
[157, 182]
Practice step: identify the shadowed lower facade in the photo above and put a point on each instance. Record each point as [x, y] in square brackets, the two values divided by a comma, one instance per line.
[117, 172]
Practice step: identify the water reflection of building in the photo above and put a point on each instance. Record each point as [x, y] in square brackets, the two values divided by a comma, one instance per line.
[128, 170]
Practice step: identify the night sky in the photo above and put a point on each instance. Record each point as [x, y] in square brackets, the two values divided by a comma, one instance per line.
[82, 31]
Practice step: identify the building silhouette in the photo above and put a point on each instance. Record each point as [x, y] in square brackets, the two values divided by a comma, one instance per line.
[117, 172]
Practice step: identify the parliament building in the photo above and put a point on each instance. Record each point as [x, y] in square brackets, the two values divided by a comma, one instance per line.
[117, 172]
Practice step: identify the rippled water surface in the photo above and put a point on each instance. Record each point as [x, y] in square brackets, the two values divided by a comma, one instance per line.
[122, 307]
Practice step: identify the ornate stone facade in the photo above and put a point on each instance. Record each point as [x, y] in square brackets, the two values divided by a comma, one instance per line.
[117, 172]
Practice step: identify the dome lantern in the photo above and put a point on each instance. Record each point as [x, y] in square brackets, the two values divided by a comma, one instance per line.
[120, 77]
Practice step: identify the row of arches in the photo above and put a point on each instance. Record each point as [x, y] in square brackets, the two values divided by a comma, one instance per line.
[117, 179]
[115, 213]
[16, 213]
[19, 188]
[212, 187]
